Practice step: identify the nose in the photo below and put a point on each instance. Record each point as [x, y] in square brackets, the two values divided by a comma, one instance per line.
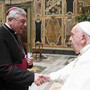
[25, 24]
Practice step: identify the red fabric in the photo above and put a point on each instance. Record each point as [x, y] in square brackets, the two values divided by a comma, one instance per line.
[23, 65]
[11, 9]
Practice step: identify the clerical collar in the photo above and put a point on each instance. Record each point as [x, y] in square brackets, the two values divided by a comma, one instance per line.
[8, 25]
[83, 50]
[9, 28]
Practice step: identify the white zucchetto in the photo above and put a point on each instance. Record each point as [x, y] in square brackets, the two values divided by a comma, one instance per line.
[85, 26]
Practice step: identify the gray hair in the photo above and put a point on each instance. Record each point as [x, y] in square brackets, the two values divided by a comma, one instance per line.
[14, 13]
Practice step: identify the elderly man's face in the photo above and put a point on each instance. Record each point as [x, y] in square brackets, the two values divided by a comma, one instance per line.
[19, 24]
[76, 39]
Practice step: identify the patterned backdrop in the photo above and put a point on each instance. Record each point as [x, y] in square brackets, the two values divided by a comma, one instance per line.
[54, 19]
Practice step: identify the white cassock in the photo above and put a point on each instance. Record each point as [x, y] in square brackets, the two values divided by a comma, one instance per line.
[76, 75]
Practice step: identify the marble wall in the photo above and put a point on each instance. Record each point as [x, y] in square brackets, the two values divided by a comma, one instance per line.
[2, 14]
[16, 1]
[53, 21]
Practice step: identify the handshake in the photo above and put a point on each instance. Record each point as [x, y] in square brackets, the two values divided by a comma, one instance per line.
[41, 78]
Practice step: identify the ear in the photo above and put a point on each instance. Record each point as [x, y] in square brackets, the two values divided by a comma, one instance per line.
[9, 19]
[83, 38]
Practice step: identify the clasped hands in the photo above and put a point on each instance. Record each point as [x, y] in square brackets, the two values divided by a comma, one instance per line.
[41, 78]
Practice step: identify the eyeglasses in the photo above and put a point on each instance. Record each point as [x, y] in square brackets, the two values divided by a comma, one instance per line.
[22, 21]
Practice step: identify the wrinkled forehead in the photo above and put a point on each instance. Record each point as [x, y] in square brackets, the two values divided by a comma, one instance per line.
[76, 29]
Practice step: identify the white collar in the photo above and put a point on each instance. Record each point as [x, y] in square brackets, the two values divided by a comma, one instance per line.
[8, 25]
[83, 50]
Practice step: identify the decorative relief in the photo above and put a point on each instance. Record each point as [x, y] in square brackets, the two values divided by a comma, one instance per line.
[38, 7]
[69, 23]
[38, 23]
[69, 6]
[53, 7]
[86, 2]
[80, 5]
[1, 11]
[17, 1]
[53, 31]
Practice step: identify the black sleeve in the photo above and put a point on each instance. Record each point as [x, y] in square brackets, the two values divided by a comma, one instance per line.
[8, 72]
[5, 57]
[16, 75]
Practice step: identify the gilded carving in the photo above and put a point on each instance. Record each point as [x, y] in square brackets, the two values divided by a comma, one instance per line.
[86, 2]
[38, 7]
[53, 31]
[53, 7]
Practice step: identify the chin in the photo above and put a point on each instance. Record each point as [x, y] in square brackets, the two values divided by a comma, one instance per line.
[76, 52]
[20, 32]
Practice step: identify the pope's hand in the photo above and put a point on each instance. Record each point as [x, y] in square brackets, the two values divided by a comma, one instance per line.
[41, 78]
